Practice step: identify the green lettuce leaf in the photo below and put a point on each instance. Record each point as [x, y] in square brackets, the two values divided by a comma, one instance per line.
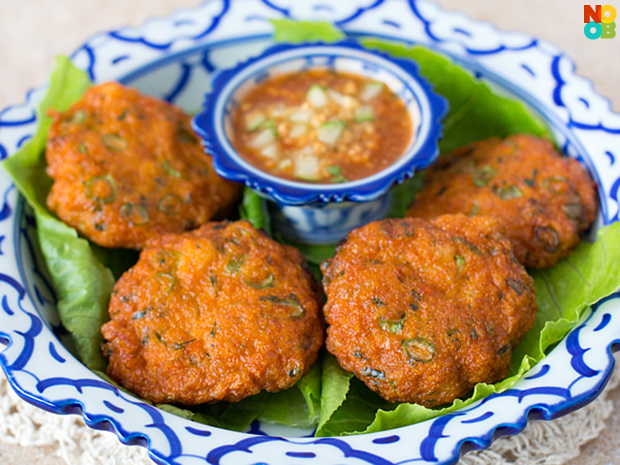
[236, 416]
[81, 282]
[298, 406]
[476, 113]
[299, 32]
[27, 166]
[253, 208]
[583, 278]
[403, 195]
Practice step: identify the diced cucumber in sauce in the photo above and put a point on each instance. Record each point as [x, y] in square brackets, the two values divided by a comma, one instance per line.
[371, 90]
[285, 164]
[254, 121]
[298, 130]
[330, 132]
[344, 101]
[317, 97]
[300, 116]
[307, 165]
[364, 113]
[263, 138]
[280, 111]
[272, 151]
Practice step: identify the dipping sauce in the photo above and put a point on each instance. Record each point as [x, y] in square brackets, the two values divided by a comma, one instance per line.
[321, 126]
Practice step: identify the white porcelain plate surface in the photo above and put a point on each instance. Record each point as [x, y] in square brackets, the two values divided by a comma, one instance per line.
[172, 58]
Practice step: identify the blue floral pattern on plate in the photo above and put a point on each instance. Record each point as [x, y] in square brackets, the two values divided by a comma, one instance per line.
[172, 58]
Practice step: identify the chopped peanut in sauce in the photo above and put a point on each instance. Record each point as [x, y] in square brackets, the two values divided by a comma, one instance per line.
[321, 126]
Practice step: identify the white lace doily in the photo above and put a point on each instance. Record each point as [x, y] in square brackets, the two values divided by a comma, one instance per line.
[549, 442]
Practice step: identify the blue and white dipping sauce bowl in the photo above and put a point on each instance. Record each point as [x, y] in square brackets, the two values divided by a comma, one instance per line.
[315, 213]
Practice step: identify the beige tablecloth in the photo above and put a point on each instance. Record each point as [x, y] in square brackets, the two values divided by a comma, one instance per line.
[32, 32]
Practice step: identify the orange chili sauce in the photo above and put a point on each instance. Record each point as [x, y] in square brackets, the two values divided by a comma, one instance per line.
[363, 149]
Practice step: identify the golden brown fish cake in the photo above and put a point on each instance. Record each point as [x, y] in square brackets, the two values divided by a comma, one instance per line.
[542, 200]
[128, 167]
[422, 310]
[219, 313]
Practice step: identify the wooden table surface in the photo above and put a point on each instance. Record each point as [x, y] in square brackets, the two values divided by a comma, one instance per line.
[32, 32]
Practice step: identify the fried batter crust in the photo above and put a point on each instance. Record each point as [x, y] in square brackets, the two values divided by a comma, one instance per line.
[219, 313]
[128, 167]
[542, 200]
[422, 310]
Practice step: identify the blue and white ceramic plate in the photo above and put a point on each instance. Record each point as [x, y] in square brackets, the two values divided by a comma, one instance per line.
[172, 58]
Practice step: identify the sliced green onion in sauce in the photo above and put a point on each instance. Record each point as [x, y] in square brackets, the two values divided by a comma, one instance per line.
[254, 121]
[336, 172]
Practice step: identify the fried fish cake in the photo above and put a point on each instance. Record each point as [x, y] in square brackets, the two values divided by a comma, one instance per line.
[422, 310]
[543, 201]
[128, 167]
[219, 313]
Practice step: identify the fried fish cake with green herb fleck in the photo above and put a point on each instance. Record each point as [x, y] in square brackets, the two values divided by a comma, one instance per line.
[218, 313]
[544, 201]
[128, 167]
[421, 311]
